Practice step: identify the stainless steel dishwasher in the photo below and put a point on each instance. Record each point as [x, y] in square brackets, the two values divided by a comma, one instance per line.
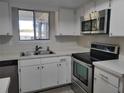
[10, 69]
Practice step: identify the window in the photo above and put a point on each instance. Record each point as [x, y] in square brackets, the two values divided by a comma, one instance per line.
[33, 25]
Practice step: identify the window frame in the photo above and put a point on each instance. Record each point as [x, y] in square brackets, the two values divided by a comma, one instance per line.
[34, 26]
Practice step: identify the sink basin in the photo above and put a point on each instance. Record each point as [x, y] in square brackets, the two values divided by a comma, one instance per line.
[27, 53]
[44, 53]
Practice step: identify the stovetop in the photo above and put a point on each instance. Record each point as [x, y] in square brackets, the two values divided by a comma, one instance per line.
[98, 52]
[85, 57]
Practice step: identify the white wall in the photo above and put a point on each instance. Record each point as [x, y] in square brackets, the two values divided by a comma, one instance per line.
[12, 45]
[86, 40]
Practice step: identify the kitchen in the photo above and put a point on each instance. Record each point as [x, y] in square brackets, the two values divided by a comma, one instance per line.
[51, 68]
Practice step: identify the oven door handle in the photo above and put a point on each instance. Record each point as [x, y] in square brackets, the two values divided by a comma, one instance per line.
[82, 63]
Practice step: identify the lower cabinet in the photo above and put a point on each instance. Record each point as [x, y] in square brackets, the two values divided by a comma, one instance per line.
[62, 77]
[49, 75]
[105, 82]
[51, 72]
[102, 86]
[30, 78]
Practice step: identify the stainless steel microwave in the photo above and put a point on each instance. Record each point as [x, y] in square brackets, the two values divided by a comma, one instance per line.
[96, 22]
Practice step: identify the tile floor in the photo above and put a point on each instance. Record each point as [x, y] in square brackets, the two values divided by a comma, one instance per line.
[66, 89]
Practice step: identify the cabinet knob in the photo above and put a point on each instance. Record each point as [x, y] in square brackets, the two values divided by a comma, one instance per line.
[59, 64]
[42, 67]
[38, 68]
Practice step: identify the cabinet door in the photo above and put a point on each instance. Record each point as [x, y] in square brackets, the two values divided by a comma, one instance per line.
[117, 17]
[79, 13]
[102, 86]
[89, 8]
[66, 18]
[49, 75]
[102, 4]
[5, 28]
[30, 78]
[62, 72]
[68, 71]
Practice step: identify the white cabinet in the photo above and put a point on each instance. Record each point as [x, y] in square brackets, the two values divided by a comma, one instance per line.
[89, 7]
[65, 22]
[102, 86]
[102, 4]
[57, 71]
[68, 70]
[5, 22]
[37, 74]
[62, 73]
[78, 12]
[105, 82]
[49, 75]
[30, 78]
[117, 17]
[96, 5]
[53, 74]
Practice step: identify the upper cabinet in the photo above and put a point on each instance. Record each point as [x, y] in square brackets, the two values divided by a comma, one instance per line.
[117, 18]
[5, 20]
[102, 4]
[95, 5]
[66, 22]
[88, 8]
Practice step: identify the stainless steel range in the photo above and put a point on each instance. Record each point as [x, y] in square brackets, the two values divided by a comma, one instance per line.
[82, 65]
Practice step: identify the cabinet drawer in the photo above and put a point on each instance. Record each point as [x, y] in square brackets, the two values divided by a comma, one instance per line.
[65, 58]
[107, 77]
[49, 60]
[29, 62]
[56, 59]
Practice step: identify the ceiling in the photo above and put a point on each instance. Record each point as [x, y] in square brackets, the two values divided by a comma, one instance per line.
[55, 3]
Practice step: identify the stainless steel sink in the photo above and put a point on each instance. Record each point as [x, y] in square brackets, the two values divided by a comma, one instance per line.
[29, 53]
[44, 52]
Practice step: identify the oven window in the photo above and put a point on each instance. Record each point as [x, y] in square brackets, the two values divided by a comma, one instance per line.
[80, 72]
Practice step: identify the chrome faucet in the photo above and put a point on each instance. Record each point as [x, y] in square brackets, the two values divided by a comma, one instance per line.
[37, 49]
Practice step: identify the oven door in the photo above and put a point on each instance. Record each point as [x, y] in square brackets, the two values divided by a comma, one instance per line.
[82, 74]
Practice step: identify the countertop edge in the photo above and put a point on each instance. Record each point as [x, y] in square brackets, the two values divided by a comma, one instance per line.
[106, 69]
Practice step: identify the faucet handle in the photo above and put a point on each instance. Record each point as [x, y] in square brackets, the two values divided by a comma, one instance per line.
[36, 46]
[48, 48]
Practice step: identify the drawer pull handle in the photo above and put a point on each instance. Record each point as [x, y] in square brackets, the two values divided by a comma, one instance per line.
[103, 76]
[62, 60]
